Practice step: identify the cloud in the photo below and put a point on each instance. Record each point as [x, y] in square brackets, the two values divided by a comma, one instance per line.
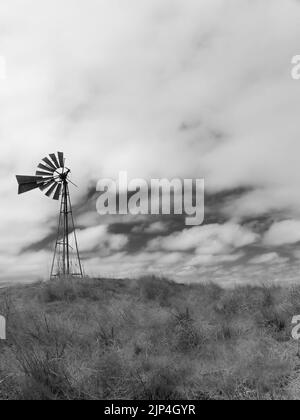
[283, 233]
[208, 239]
[265, 258]
[152, 229]
[204, 259]
[96, 238]
[30, 266]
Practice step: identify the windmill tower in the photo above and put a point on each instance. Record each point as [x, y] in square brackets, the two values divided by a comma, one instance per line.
[52, 177]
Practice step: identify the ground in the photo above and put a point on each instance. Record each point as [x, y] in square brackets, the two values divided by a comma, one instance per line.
[148, 339]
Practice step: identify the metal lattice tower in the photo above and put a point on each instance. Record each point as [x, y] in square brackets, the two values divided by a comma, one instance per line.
[66, 259]
[52, 176]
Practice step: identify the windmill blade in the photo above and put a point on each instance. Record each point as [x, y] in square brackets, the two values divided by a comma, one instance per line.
[46, 168]
[24, 179]
[61, 159]
[41, 173]
[54, 158]
[43, 180]
[57, 192]
[51, 190]
[47, 185]
[49, 163]
[23, 188]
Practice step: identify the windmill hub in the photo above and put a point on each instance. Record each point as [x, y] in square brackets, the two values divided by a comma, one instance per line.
[63, 175]
[52, 176]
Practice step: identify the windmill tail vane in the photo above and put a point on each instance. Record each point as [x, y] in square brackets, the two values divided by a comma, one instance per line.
[52, 178]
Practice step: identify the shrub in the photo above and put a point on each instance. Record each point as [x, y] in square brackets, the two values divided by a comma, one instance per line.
[68, 290]
[156, 289]
[187, 336]
[45, 376]
[276, 321]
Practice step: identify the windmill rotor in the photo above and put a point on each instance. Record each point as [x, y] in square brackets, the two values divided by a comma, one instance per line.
[52, 178]
[54, 174]
[49, 177]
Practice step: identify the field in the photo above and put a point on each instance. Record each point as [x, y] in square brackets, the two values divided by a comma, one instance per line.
[148, 339]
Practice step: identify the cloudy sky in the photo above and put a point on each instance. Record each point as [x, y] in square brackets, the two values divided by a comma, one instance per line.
[158, 88]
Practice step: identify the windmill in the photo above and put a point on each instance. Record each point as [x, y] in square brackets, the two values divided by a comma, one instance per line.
[52, 178]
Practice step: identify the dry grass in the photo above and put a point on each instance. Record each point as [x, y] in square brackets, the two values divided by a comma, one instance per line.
[148, 339]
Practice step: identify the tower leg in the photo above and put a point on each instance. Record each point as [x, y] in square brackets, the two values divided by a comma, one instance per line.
[57, 243]
[62, 265]
[75, 236]
[66, 230]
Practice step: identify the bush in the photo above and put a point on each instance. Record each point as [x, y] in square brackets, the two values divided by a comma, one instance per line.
[156, 289]
[68, 290]
[187, 336]
[276, 321]
[45, 376]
